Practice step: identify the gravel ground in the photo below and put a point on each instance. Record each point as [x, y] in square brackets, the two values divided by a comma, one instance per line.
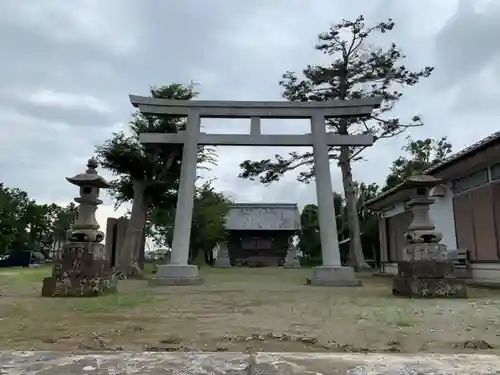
[247, 310]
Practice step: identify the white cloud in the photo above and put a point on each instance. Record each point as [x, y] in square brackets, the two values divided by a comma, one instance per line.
[104, 24]
[66, 100]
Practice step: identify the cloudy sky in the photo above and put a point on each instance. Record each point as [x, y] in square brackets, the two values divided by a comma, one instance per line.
[67, 67]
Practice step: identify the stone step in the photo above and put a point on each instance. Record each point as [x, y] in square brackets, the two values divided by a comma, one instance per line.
[118, 363]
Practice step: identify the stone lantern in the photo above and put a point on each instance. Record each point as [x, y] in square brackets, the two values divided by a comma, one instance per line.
[83, 268]
[291, 260]
[223, 260]
[425, 270]
[85, 229]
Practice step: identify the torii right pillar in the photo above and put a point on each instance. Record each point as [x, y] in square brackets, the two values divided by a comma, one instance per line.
[331, 273]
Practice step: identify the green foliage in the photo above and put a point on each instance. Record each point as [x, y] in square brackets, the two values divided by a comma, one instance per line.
[357, 70]
[208, 226]
[156, 164]
[62, 219]
[13, 207]
[368, 221]
[421, 154]
[26, 224]
[311, 262]
[309, 238]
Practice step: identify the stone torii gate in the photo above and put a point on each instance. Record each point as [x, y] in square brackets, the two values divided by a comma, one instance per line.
[178, 272]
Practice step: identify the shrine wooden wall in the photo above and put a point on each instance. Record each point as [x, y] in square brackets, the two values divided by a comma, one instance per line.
[477, 222]
[395, 228]
[258, 248]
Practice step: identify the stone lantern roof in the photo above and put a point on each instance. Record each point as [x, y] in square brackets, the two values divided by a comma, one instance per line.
[90, 177]
[420, 180]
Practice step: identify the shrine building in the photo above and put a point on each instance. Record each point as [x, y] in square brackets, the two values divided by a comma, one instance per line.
[259, 232]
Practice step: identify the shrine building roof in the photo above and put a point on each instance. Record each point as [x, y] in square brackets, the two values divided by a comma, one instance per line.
[263, 216]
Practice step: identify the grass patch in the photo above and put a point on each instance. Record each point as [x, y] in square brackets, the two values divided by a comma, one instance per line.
[20, 275]
[403, 323]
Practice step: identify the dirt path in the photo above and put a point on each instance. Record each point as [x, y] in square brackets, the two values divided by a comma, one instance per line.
[249, 310]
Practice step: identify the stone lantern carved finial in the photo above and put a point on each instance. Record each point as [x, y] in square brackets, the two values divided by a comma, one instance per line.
[92, 165]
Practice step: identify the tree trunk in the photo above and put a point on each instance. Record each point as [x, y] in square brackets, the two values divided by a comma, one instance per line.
[211, 257]
[356, 257]
[141, 259]
[128, 263]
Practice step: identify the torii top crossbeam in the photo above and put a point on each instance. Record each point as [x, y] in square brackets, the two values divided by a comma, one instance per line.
[256, 111]
[245, 109]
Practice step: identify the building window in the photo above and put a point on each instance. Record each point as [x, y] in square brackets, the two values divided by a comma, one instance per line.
[495, 172]
[471, 181]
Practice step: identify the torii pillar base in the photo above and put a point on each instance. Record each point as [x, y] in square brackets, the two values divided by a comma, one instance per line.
[176, 275]
[333, 276]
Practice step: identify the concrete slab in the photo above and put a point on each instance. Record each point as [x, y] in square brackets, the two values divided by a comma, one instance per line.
[117, 363]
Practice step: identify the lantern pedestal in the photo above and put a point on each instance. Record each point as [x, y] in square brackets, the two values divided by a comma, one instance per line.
[427, 273]
[82, 271]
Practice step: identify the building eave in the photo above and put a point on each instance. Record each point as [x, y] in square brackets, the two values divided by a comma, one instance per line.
[388, 197]
[464, 153]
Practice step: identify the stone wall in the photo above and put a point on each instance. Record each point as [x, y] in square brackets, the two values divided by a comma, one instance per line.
[116, 230]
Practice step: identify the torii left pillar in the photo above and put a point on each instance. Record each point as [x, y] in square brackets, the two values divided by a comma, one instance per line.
[178, 271]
